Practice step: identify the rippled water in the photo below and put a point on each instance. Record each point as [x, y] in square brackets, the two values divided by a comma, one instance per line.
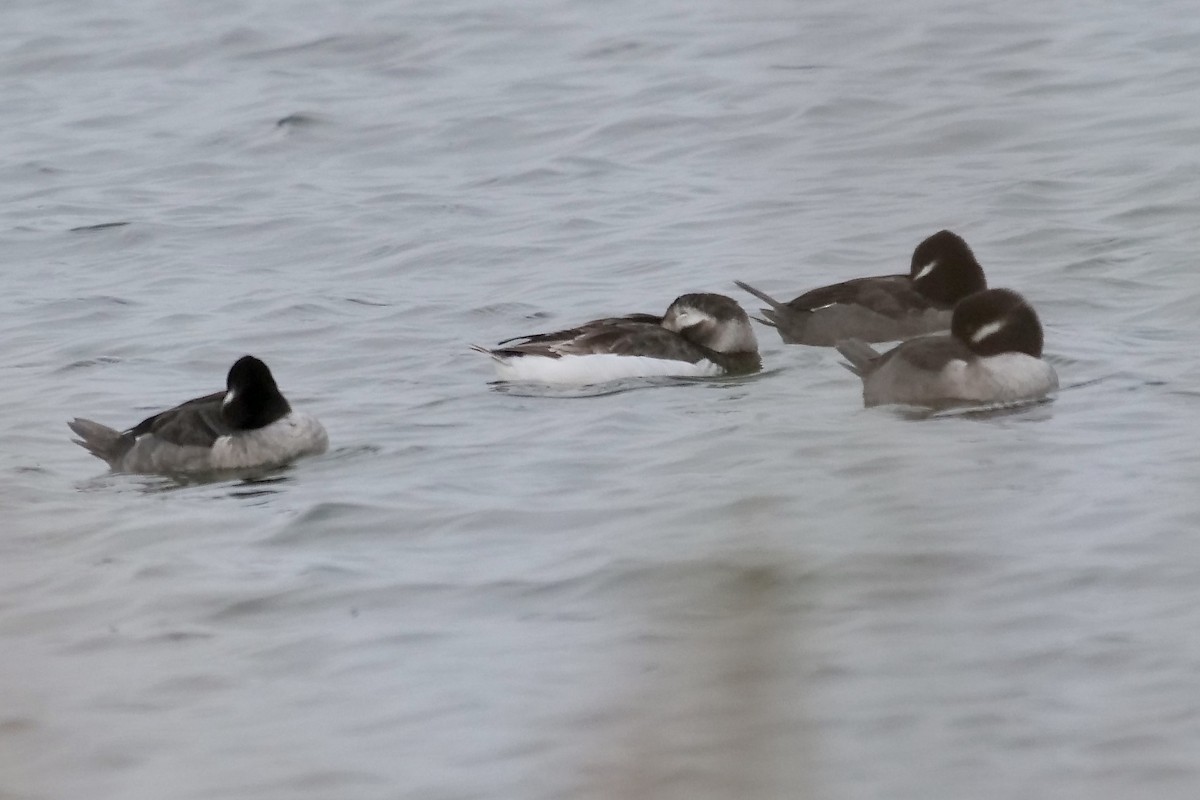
[749, 588]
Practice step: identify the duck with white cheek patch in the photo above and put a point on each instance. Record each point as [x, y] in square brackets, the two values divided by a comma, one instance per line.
[885, 308]
[992, 355]
[700, 335]
[249, 426]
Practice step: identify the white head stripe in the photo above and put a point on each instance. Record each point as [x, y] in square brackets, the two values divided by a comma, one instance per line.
[925, 270]
[230, 396]
[984, 331]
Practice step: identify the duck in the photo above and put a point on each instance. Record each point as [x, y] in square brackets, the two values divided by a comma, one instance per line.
[884, 308]
[700, 335]
[249, 426]
[992, 355]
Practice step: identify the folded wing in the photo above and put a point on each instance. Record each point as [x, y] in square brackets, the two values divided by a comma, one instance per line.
[196, 423]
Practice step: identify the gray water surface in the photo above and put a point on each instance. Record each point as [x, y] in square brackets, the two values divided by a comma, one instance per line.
[740, 588]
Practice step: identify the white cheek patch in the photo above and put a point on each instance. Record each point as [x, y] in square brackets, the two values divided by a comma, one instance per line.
[230, 396]
[925, 270]
[985, 331]
[686, 319]
[734, 338]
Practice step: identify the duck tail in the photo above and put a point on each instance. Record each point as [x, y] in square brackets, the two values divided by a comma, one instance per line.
[101, 441]
[860, 355]
[761, 295]
[770, 316]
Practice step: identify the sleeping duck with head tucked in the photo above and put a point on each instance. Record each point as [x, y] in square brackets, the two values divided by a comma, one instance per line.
[249, 426]
[884, 308]
[699, 335]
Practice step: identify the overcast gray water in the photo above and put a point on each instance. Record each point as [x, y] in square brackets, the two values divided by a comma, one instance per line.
[736, 589]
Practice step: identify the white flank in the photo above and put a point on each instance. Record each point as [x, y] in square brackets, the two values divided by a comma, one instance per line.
[598, 368]
[1002, 378]
[282, 441]
[1014, 376]
[985, 331]
[925, 270]
[279, 443]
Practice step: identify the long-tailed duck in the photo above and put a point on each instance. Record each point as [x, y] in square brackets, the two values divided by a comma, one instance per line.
[700, 335]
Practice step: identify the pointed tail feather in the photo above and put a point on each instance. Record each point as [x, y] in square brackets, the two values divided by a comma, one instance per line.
[101, 441]
[770, 316]
[766, 298]
[860, 355]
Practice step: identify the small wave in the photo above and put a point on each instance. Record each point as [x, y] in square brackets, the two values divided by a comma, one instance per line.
[352, 451]
[299, 119]
[100, 226]
[333, 519]
[978, 412]
[89, 362]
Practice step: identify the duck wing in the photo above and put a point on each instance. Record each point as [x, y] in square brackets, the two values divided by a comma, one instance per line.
[196, 423]
[580, 330]
[892, 296]
[635, 335]
[930, 353]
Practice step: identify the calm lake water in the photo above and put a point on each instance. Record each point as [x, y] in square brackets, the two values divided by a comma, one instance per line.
[737, 589]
